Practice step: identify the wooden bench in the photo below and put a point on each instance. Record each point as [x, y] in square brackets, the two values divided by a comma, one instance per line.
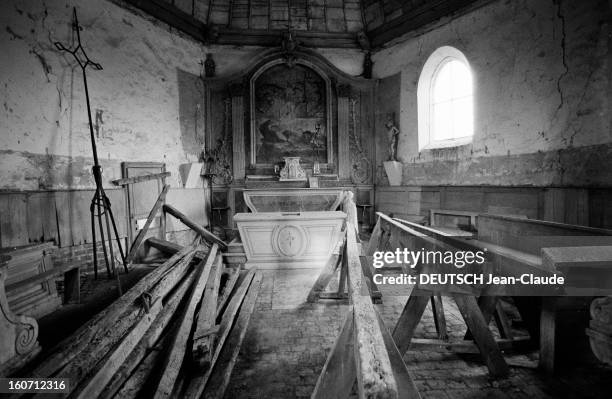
[457, 223]
[18, 333]
[391, 234]
[559, 321]
[516, 245]
[364, 351]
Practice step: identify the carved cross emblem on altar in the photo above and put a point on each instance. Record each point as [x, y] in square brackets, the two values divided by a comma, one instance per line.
[290, 240]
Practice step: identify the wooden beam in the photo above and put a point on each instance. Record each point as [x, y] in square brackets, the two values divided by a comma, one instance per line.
[437, 307]
[366, 267]
[149, 340]
[141, 234]
[417, 17]
[138, 379]
[113, 316]
[409, 319]
[95, 385]
[548, 333]
[202, 376]
[173, 362]
[224, 365]
[204, 335]
[327, 273]
[487, 306]
[169, 247]
[272, 38]
[375, 377]
[165, 246]
[137, 179]
[464, 346]
[173, 16]
[406, 387]
[227, 289]
[489, 350]
[207, 235]
[83, 364]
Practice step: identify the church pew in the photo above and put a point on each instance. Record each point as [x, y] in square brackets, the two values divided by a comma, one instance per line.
[560, 320]
[389, 235]
[364, 351]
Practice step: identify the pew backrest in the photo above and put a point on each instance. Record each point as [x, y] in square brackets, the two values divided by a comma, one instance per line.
[530, 235]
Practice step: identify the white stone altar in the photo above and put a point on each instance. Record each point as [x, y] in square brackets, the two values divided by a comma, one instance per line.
[293, 199]
[280, 240]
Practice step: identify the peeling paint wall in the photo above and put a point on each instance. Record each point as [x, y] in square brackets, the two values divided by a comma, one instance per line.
[145, 102]
[542, 95]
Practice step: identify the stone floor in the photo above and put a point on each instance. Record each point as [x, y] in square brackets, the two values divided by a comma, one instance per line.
[288, 341]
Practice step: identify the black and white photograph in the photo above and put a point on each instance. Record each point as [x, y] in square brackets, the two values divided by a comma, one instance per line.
[324, 199]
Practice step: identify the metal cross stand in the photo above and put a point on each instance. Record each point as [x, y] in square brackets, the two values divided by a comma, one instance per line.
[100, 204]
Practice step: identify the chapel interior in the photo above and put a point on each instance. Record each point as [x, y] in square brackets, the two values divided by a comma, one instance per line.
[193, 193]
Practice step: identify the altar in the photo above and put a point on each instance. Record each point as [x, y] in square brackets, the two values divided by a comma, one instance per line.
[293, 200]
[280, 240]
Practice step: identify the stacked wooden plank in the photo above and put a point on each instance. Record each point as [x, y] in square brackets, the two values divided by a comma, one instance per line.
[164, 337]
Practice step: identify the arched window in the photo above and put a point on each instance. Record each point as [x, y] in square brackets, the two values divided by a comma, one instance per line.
[445, 100]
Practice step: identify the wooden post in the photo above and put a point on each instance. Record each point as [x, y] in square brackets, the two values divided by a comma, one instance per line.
[344, 167]
[238, 150]
[141, 234]
[547, 335]
[439, 319]
[482, 335]
[72, 286]
[409, 319]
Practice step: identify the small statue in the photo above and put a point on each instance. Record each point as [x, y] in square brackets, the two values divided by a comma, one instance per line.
[209, 66]
[392, 136]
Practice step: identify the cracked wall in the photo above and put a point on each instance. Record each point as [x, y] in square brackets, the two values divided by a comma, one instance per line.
[145, 102]
[542, 93]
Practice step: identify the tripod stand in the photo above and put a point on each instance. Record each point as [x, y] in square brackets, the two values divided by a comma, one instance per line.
[100, 204]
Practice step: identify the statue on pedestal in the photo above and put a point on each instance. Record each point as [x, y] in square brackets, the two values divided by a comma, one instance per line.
[393, 167]
[392, 136]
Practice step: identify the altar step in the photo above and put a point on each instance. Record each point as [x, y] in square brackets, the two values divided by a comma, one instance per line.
[235, 255]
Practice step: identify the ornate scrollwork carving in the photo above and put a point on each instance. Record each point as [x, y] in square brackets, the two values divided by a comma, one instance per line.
[21, 330]
[27, 334]
[361, 167]
[289, 45]
[218, 159]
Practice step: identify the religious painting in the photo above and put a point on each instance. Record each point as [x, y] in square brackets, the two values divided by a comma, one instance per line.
[289, 111]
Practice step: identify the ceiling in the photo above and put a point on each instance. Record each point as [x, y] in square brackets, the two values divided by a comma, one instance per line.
[316, 23]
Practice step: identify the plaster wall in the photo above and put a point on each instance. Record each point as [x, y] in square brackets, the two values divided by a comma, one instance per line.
[146, 102]
[541, 72]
